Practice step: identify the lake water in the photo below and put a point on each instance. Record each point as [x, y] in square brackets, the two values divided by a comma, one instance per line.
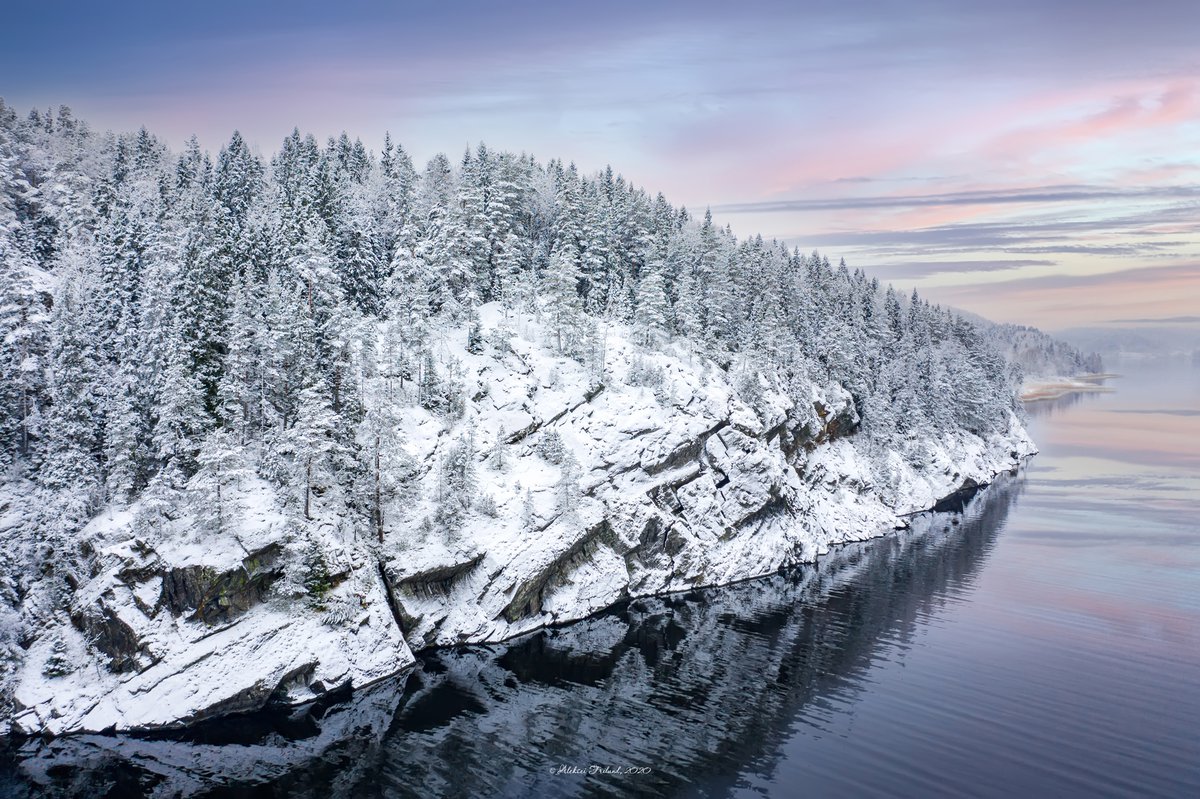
[1046, 643]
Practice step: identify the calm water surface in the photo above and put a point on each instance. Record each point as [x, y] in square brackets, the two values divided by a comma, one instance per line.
[1045, 643]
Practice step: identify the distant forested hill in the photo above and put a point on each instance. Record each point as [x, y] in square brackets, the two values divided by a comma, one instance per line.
[1040, 354]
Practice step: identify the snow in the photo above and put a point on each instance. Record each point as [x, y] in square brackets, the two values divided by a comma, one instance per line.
[202, 669]
[683, 485]
[712, 642]
[1052, 387]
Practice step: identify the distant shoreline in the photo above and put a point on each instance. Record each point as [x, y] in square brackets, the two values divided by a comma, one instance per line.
[1049, 388]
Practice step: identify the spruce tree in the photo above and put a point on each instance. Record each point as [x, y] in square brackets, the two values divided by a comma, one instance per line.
[564, 311]
[650, 316]
[311, 442]
[24, 344]
[456, 483]
[181, 420]
[382, 456]
[213, 488]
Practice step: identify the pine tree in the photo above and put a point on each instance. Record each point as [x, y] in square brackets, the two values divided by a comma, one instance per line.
[238, 401]
[566, 490]
[474, 332]
[24, 343]
[181, 421]
[68, 462]
[382, 455]
[496, 457]
[394, 192]
[597, 267]
[431, 393]
[687, 310]
[311, 442]
[314, 573]
[205, 271]
[212, 489]
[59, 663]
[550, 446]
[505, 214]
[238, 178]
[312, 264]
[360, 259]
[650, 316]
[456, 485]
[408, 294]
[510, 271]
[126, 451]
[441, 242]
[568, 232]
[528, 512]
[565, 321]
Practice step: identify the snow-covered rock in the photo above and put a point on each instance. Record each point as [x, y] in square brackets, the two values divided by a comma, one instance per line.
[634, 683]
[682, 484]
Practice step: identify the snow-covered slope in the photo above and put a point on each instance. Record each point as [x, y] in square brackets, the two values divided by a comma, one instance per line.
[683, 484]
[634, 683]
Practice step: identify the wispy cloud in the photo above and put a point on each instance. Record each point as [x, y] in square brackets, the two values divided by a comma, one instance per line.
[1161, 320]
[922, 269]
[1125, 279]
[1062, 300]
[936, 140]
[1129, 113]
[1037, 195]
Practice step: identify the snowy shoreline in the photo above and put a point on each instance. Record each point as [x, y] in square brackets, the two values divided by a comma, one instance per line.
[680, 485]
[281, 424]
[343, 694]
[903, 523]
[1049, 388]
[249, 749]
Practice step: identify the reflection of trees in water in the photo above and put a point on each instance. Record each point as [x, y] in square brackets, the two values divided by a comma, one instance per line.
[700, 686]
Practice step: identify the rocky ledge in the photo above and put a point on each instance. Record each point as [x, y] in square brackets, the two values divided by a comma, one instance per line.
[684, 481]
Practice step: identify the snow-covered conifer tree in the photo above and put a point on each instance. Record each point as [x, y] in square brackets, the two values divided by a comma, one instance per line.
[212, 490]
[311, 442]
[564, 311]
[456, 483]
[650, 317]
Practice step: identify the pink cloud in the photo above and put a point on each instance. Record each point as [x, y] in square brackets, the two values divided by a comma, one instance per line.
[1147, 109]
[1159, 173]
[1062, 301]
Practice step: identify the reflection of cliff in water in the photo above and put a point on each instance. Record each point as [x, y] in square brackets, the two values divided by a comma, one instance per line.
[699, 687]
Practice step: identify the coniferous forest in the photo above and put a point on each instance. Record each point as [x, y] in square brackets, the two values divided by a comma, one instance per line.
[163, 309]
[174, 324]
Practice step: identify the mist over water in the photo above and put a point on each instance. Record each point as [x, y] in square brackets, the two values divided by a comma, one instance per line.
[1046, 643]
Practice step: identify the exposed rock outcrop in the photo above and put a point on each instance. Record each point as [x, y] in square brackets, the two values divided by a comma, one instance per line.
[681, 484]
[753, 656]
[216, 596]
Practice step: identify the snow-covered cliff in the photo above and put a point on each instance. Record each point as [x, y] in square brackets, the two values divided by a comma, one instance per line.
[663, 473]
[627, 686]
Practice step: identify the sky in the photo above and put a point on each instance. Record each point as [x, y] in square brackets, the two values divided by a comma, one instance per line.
[1034, 161]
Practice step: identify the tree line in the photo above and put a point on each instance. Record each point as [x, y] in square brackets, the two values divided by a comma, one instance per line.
[172, 321]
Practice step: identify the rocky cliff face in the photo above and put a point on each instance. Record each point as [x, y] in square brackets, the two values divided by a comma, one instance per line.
[684, 481]
[629, 686]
